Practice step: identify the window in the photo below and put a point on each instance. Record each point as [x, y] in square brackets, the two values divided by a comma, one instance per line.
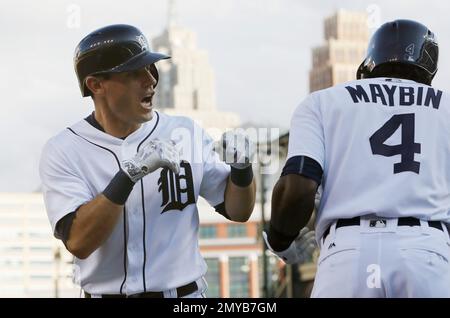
[11, 249]
[237, 230]
[195, 99]
[213, 278]
[42, 263]
[41, 249]
[39, 235]
[239, 279]
[208, 231]
[11, 263]
[41, 277]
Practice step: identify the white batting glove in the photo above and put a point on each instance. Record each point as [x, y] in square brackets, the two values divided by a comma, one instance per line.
[300, 249]
[154, 155]
[236, 149]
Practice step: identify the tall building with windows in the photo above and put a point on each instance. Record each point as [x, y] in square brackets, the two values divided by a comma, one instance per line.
[186, 82]
[336, 61]
[233, 252]
[32, 262]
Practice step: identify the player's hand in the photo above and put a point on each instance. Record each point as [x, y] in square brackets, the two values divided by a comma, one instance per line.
[236, 149]
[154, 155]
[300, 249]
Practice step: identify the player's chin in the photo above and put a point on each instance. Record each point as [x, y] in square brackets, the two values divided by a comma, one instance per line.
[146, 114]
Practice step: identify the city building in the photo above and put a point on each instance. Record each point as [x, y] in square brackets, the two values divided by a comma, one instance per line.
[233, 252]
[32, 262]
[336, 61]
[186, 80]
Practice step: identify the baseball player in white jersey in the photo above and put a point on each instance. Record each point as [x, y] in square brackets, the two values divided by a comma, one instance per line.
[379, 148]
[121, 186]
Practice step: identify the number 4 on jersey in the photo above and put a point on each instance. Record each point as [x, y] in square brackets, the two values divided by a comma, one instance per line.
[406, 149]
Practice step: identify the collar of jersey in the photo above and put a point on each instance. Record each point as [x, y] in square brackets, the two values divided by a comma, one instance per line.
[402, 80]
[92, 134]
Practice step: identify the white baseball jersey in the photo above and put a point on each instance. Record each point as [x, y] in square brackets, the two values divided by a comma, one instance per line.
[154, 246]
[383, 145]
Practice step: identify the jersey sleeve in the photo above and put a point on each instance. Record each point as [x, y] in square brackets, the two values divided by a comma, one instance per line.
[215, 174]
[306, 136]
[64, 191]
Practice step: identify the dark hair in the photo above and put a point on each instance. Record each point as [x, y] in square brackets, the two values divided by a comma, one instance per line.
[105, 76]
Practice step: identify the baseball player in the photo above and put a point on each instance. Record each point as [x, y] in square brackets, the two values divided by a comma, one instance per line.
[121, 185]
[379, 148]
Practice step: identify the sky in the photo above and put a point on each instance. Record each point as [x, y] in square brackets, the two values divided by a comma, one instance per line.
[260, 51]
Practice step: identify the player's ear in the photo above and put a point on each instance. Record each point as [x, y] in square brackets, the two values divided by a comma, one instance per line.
[95, 85]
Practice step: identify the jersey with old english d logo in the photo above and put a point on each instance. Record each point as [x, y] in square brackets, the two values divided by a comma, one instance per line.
[154, 246]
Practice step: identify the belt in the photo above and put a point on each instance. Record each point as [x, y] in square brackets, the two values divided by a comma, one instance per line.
[404, 221]
[181, 292]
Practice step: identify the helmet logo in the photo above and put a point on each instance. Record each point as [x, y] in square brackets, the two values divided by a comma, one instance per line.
[142, 42]
[410, 52]
[410, 49]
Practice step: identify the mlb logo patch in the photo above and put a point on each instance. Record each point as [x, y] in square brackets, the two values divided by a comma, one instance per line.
[377, 223]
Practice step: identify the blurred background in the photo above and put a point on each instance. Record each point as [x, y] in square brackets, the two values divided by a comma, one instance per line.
[234, 64]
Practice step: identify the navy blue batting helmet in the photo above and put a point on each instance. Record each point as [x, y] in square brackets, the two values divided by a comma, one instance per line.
[113, 49]
[401, 48]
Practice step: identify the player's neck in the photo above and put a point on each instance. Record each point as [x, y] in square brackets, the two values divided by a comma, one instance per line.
[112, 125]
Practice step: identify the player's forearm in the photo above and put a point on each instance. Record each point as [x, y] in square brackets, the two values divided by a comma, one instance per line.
[292, 204]
[240, 201]
[92, 226]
